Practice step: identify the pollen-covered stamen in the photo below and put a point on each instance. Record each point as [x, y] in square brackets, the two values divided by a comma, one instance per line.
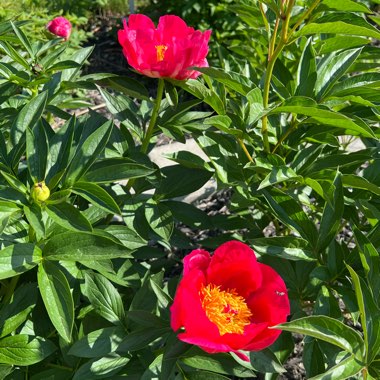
[161, 49]
[226, 309]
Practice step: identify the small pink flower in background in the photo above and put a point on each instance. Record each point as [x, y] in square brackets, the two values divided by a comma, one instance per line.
[166, 51]
[60, 26]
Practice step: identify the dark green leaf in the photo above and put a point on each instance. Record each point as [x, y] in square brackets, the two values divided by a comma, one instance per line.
[332, 214]
[160, 219]
[88, 152]
[105, 298]
[98, 343]
[97, 196]
[116, 169]
[104, 368]
[68, 216]
[18, 258]
[82, 246]
[28, 116]
[36, 152]
[57, 297]
[14, 313]
[24, 350]
[329, 330]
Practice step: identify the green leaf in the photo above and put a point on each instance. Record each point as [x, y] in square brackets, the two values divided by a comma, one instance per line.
[337, 27]
[28, 116]
[306, 73]
[88, 152]
[220, 363]
[68, 216]
[104, 368]
[14, 313]
[342, 5]
[234, 81]
[36, 152]
[81, 246]
[360, 301]
[265, 361]
[98, 343]
[344, 370]
[351, 180]
[97, 196]
[325, 117]
[287, 247]
[24, 350]
[34, 216]
[370, 260]
[200, 91]
[105, 298]
[291, 213]
[332, 69]
[59, 152]
[14, 182]
[14, 54]
[57, 297]
[116, 169]
[80, 57]
[191, 180]
[332, 215]
[277, 175]
[160, 219]
[139, 339]
[203, 375]
[23, 39]
[129, 87]
[329, 330]
[18, 258]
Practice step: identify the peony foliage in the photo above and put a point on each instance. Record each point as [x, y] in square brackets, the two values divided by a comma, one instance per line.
[108, 271]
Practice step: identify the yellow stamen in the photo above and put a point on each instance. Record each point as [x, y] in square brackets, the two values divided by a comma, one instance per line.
[161, 49]
[226, 309]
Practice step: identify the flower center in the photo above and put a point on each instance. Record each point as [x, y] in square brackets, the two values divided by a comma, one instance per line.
[161, 49]
[226, 309]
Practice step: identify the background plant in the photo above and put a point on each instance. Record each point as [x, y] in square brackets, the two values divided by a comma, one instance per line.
[88, 276]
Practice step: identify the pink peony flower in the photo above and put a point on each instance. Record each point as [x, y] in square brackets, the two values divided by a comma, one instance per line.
[60, 26]
[166, 51]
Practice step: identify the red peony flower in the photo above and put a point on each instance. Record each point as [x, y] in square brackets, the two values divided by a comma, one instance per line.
[166, 51]
[60, 26]
[227, 301]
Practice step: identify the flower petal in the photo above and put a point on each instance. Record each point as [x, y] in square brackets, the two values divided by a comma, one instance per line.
[197, 259]
[234, 266]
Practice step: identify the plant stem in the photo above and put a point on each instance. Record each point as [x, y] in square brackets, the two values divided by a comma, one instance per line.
[304, 16]
[245, 150]
[285, 136]
[152, 124]
[153, 118]
[269, 72]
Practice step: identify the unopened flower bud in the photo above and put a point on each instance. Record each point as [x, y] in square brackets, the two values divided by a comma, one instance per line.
[40, 192]
[60, 26]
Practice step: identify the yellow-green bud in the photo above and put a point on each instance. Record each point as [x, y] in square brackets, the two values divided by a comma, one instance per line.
[40, 192]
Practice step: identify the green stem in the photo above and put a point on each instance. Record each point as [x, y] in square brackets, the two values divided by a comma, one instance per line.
[304, 16]
[269, 72]
[285, 136]
[245, 150]
[153, 119]
[152, 124]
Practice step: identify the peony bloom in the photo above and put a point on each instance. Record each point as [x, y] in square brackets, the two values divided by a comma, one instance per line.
[227, 301]
[166, 51]
[60, 26]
